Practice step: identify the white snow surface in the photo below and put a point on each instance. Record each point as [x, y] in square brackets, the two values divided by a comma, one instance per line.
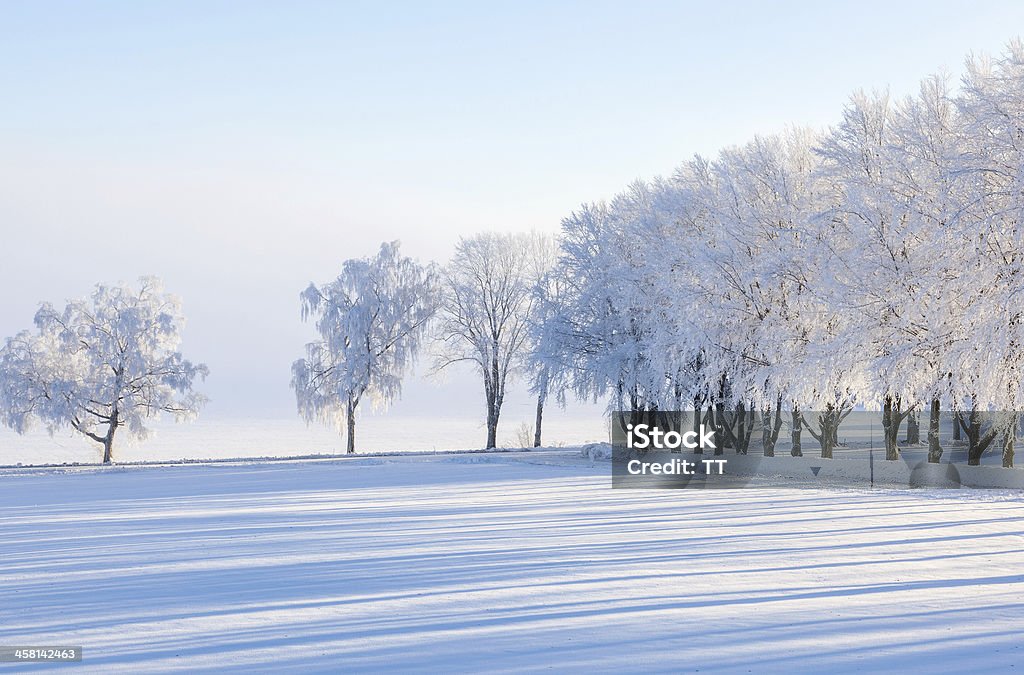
[518, 562]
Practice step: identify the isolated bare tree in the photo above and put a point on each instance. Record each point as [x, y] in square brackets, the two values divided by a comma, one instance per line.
[485, 308]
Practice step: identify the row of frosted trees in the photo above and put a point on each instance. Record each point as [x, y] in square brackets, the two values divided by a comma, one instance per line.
[106, 365]
[875, 265]
[481, 309]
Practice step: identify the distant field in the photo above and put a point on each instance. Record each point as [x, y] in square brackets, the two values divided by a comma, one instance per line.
[222, 438]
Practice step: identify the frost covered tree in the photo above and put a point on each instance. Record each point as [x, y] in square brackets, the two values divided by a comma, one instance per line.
[100, 365]
[758, 262]
[372, 320]
[486, 301]
[878, 264]
[900, 205]
[578, 335]
[992, 105]
[601, 338]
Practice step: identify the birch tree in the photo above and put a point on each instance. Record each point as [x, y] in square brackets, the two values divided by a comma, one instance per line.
[100, 365]
[372, 320]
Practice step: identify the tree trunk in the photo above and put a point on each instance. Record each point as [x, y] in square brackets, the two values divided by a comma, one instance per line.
[108, 446]
[976, 442]
[891, 428]
[822, 436]
[492, 427]
[1008, 437]
[828, 430]
[698, 419]
[934, 449]
[493, 399]
[826, 439]
[350, 414]
[542, 395]
[721, 440]
[108, 440]
[718, 423]
[913, 429]
[540, 417]
[737, 429]
[956, 426]
[767, 442]
[771, 423]
[741, 441]
[797, 450]
[492, 420]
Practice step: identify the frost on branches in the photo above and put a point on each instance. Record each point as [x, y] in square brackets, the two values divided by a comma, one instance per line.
[372, 320]
[99, 365]
[879, 264]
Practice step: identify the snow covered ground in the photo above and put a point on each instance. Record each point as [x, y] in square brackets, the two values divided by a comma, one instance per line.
[501, 563]
[229, 437]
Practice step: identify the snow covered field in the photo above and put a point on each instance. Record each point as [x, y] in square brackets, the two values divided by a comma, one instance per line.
[225, 438]
[501, 563]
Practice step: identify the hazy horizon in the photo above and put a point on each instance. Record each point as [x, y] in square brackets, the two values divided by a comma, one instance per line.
[240, 152]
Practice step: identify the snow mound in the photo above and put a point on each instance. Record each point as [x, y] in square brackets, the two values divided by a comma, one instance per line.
[597, 451]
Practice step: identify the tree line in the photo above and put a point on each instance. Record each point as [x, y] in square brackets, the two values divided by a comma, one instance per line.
[111, 362]
[480, 309]
[876, 264]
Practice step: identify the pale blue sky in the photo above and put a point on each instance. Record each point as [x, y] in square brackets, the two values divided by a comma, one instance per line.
[242, 149]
